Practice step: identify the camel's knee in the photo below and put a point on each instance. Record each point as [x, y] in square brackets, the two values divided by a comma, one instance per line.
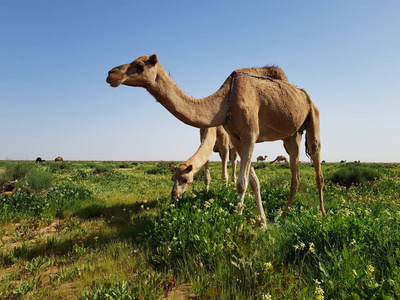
[241, 186]
[320, 180]
[295, 183]
[314, 147]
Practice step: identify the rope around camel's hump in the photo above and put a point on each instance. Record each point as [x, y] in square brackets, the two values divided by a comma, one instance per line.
[234, 75]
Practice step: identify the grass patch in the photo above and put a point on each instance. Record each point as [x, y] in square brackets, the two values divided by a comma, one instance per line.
[120, 235]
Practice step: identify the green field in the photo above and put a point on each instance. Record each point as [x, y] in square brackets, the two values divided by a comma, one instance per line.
[109, 230]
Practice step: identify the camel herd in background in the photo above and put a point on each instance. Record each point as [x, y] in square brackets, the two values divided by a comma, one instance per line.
[57, 159]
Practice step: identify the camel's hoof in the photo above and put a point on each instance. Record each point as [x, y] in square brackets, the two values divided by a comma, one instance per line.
[261, 223]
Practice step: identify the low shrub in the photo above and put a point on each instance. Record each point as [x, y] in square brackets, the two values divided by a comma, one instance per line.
[354, 174]
[60, 200]
[156, 171]
[163, 167]
[99, 169]
[39, 181]
[17, 170]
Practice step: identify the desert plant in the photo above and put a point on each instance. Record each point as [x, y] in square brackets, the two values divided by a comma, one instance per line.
[99, 169]
[17, 170]
[39, 181]
[157, 170]
[354, 174]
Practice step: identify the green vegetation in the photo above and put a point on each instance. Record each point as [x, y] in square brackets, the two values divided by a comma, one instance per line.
[109, 230]
[355, 174]
[39, 181]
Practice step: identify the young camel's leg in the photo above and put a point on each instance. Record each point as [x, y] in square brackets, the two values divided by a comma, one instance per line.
[292, 147]
[255, 186]
[223, 153]
[207, 176]
[233, 158]
[314, 145]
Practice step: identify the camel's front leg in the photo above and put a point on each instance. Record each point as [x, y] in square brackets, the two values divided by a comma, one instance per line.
[246, 147]
[247, 172]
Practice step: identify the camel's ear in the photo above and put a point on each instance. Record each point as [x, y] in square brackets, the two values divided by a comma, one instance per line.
[153, 59]
[189, 169]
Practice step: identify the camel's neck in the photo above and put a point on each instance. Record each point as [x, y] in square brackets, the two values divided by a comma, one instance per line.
[202, 113]
[205, 150]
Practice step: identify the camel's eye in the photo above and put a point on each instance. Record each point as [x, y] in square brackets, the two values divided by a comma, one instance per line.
[139, 68]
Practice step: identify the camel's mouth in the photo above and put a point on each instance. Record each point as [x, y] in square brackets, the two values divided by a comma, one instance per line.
[113, 83]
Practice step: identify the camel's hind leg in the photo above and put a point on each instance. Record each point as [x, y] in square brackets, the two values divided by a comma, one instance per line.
[292, 147]
[314, 146]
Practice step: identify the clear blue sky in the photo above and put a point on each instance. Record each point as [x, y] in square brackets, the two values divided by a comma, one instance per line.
[55, 55]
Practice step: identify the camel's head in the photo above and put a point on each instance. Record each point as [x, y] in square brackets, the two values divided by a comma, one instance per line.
[140, 72]
[182, 178]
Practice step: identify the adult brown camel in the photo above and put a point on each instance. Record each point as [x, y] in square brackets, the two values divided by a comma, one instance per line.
[279, 158]
[261, 159]
[212, 139]
[252, 110]
[59, 159]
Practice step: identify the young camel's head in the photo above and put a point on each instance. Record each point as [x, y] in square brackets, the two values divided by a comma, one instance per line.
[182, 178]
[141, 72]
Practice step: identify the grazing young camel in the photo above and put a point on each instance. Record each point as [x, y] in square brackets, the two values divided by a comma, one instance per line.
[279, 158]
[261, 159]
[252, 109]
[212, 139]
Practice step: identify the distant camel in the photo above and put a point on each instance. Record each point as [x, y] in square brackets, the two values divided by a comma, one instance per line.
[342, 161]
[279, 159]
[322, 162]
[212, 139]
[59, 159]
[252, 107]
[39, 160]
[260, 158]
